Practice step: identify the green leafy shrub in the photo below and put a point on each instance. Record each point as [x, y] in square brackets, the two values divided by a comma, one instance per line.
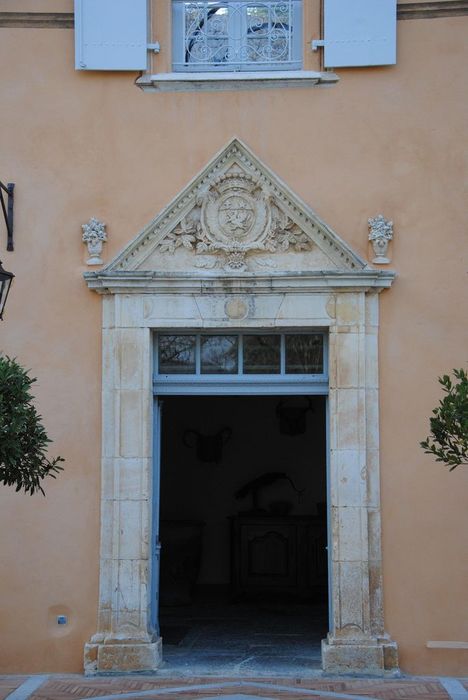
[23, 440]
[448, 440]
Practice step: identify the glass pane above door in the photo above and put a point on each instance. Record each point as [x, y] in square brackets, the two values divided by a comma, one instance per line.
[177, 354]
[219, 354]
[205, 356]
[262, 354]
[304, 353]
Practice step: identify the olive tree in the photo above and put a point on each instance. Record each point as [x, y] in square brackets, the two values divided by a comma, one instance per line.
[23, 440]
[448, 439]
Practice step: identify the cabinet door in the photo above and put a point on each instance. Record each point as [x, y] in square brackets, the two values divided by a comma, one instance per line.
[268, 555]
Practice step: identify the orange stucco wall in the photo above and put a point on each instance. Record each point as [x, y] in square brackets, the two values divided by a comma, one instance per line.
[387, 140]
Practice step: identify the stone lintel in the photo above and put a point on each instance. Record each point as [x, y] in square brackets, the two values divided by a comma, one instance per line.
[122, 658]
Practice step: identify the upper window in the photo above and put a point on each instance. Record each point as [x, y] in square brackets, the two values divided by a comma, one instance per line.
[241, 354]
[237, 35]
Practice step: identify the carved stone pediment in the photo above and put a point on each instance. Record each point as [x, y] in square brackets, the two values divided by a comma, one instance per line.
[237, 216]
[234, 218]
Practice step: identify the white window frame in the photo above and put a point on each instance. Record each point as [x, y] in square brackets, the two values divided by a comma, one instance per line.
[294, 63]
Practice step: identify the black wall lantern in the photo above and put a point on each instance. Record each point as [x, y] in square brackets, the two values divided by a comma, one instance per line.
[6, 278]
[7, 210]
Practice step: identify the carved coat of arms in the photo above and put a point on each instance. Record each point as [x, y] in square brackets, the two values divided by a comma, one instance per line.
[233, 217]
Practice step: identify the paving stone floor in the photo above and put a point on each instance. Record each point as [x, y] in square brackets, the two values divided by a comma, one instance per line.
[254, 638]
[75, 687]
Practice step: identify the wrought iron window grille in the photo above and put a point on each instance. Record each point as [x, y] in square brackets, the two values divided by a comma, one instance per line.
[237, 35]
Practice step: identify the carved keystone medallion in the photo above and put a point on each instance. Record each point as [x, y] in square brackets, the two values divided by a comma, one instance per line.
[236, 308]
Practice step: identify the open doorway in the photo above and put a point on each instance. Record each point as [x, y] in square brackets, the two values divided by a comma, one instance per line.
[243, 530]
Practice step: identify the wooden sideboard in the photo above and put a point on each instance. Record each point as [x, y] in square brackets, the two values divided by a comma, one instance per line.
[278, 555]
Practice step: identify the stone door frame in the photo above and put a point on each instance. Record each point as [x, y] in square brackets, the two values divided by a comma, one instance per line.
[134, 305]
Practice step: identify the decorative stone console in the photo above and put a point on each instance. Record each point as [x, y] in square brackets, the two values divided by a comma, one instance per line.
[238, 239]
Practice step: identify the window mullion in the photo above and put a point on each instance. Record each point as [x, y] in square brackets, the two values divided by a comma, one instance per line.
[325, 353]
[198, 354]
[295, 47]
[240, 356]
[283, 354]
[157, 354]
[236, 25]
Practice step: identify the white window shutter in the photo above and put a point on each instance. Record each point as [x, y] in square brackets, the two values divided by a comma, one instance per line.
[111, 34]
[359, 33]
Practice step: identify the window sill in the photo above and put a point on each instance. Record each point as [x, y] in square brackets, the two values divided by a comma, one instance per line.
[178, 82]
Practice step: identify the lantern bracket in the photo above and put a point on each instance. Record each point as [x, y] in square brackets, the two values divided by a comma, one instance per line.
[7, 210]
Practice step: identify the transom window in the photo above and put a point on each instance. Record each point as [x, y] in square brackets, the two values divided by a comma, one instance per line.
[237, 35]
[240, 354]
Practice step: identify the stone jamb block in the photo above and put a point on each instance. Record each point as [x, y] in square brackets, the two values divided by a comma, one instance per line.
[352, 657]
[348, 358]
[122, 658]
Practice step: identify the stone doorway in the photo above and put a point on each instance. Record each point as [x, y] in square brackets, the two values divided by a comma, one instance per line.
[243, 578]
[285, 269]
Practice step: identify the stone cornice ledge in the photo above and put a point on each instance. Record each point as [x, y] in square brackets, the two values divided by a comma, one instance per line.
[130, 282]
[178, 82]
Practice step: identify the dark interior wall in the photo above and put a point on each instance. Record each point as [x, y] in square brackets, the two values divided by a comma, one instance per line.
[191, 489]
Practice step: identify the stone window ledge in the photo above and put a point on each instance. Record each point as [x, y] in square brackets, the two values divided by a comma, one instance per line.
[178, 82]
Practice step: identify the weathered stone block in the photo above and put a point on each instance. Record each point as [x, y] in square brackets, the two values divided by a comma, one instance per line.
[131, 315]
[348, 359]
[130, 358]
[131, 479]
[350, 418]
[352, 658]
[110, 407]
[130, 424]
[122, 658]
[390, 650]
[298, 306]
[348, 487]
[349, 309]
[164, 312]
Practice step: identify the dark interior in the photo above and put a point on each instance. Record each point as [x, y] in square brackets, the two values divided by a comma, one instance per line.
[243, 528]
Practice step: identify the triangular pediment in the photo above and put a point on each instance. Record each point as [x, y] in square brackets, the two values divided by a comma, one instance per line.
[236, 216]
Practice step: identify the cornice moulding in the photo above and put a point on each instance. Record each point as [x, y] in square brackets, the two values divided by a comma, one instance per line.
[37, 20]
[147, 282]
[432, 10]
[66, 20]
